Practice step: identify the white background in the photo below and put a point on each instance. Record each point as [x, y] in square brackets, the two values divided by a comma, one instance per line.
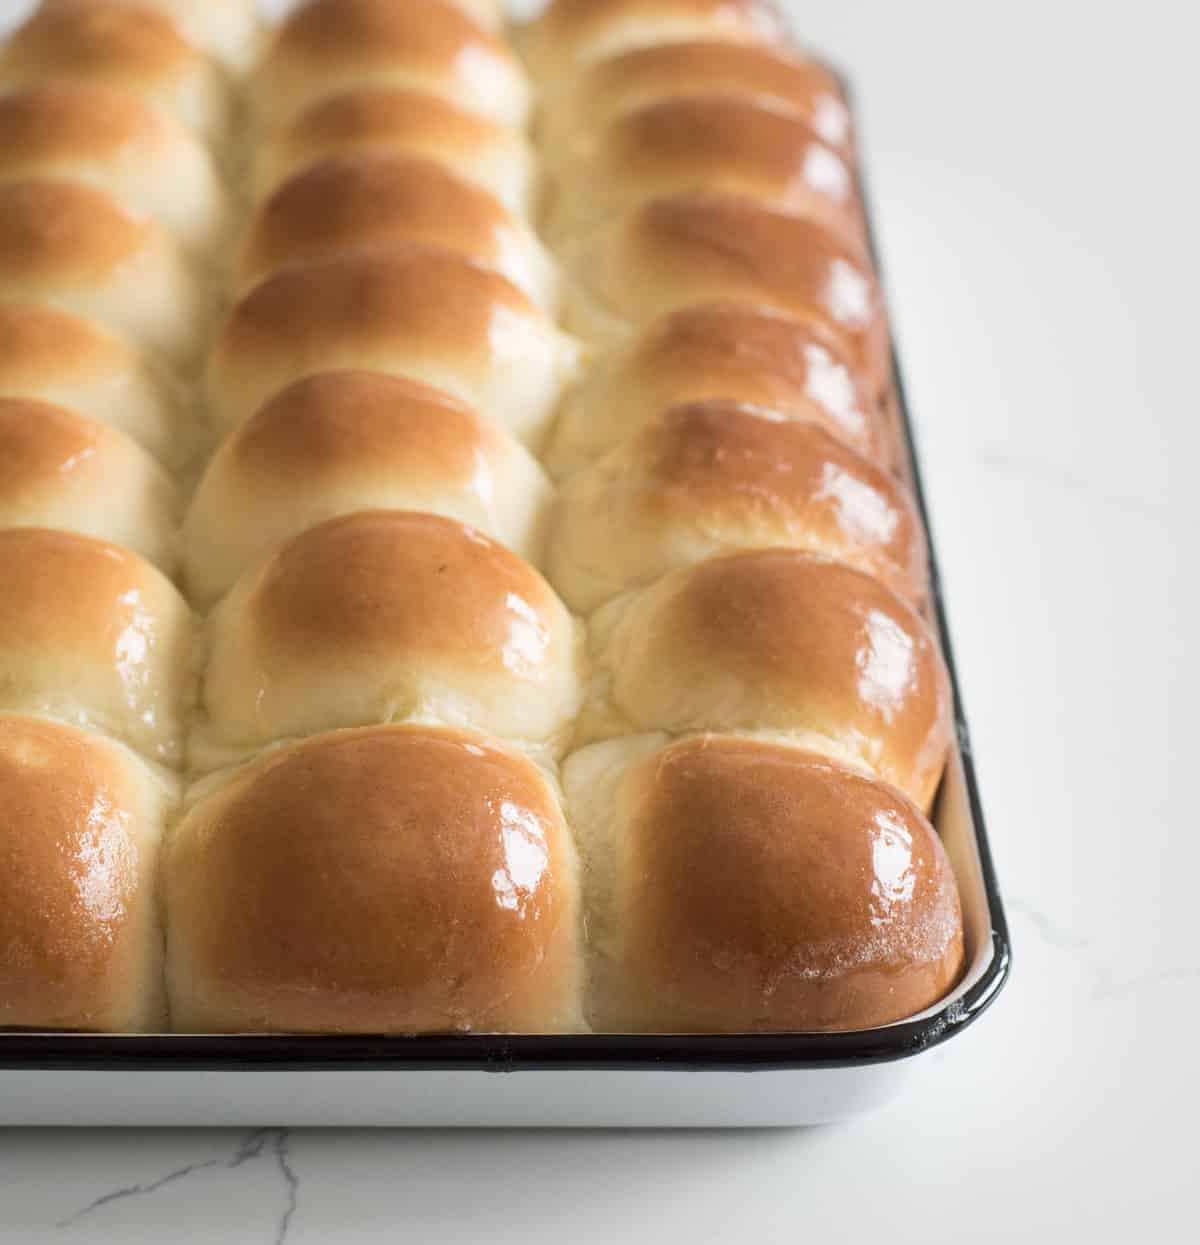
[1034, 169]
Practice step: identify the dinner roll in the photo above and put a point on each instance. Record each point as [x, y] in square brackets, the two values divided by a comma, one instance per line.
[345, 441]
[574, 31]
[706, 142]
[60, 470]
[407, 123]
[382, 616]
[118, 143]
[696, 248]
[81, 818]
[409, 310]
[752, 355]
[57, 357]
[388, 880]
[327, 46]
[782, 642]
[94, 635]
[590, 101]
[227, 29]
[714, 476]
[76, 248]
[120, 45]
[739, 885]
[356, 202]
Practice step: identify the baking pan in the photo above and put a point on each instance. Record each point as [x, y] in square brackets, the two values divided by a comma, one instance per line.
[624, 1080]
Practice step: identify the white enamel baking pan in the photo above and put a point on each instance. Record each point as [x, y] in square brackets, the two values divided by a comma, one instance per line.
[624, 1080]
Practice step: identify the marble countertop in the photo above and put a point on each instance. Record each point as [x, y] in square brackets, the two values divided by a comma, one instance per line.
[1038, 205]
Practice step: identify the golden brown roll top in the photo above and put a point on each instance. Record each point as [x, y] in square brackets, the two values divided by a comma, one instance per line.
[753, 355]
[115, 142]
[81, 818]
[386, 616]
[706, 143]
[327, 46]
[414, 311]
[750, 71]
[345, 441]
[743, 886]
[227, 29]
[571, 32]
[120, 45]
[92, 634]
[60, 470]
[76, 248]
[56, 357]
[401, 122]
[779, 642]
[710, 477]
[388, 880]
[352, 203]
[689, 249]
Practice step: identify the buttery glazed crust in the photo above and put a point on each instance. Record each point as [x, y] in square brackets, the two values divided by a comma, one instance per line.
[65, 234]
[748, 71]
[345, 441]
[420, 312]
[115, 142]
[401, 122]
[80, 822]
[56, 357]
[351, 203]
[786, 642]
[327, 46]
[739, 352]
[227, 29]
[76, 248]
[120, 45]
[389, 616]
[689, 249]
[96, 636]
[709, 477]
[389, 880]
[758, 887]
[572, 31]
[714, 143]
[60, 470]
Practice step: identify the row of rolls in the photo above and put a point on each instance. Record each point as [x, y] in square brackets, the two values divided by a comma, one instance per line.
[458, 572]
